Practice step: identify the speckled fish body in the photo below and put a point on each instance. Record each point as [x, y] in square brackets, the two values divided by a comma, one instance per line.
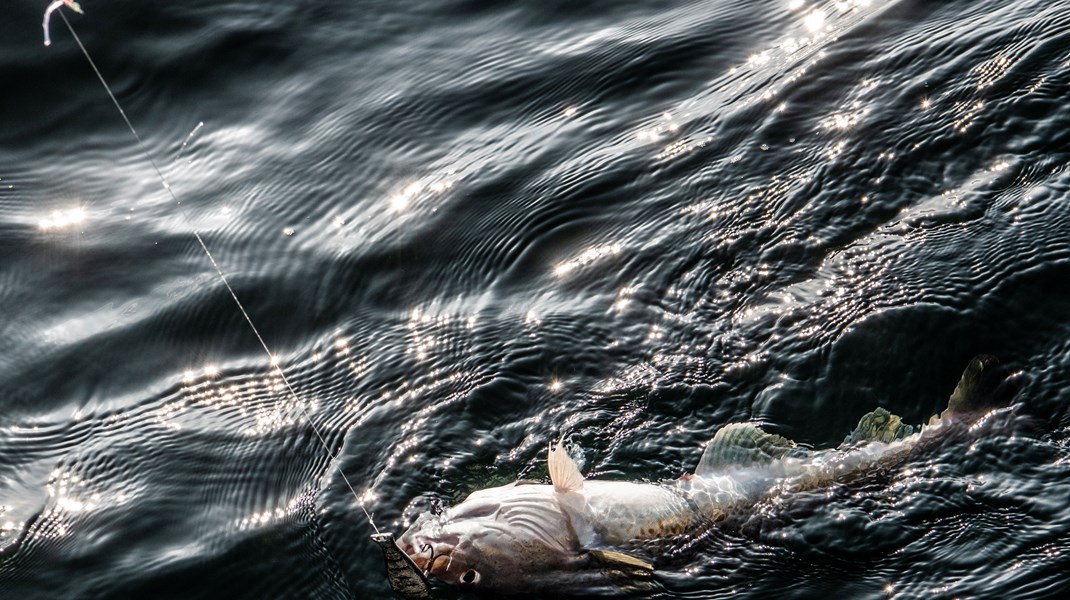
[580, 535]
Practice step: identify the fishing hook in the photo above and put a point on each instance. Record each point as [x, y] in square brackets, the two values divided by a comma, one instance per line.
[430, 561]
[427, 547]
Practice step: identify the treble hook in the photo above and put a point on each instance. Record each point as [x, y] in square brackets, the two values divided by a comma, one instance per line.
[430, 561]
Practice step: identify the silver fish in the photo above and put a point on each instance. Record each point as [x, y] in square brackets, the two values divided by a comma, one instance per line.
[580, 535]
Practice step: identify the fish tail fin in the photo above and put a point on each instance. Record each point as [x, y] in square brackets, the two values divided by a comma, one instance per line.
[983, 385]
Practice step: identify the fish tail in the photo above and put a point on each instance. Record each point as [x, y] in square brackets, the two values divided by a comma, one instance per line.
[983, 385]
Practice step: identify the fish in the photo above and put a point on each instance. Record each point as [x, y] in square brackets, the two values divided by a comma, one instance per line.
[579, 535]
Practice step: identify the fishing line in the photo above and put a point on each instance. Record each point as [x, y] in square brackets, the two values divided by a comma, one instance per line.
[218, 269]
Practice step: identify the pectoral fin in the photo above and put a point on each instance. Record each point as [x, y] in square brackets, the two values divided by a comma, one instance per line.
[620, 559]
[564, 472]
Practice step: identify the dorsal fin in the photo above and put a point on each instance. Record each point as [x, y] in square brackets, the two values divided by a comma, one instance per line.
[879, 426]
[564, 472]
[742, 445]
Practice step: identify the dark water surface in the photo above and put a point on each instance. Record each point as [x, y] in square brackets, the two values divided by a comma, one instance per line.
[464, 228]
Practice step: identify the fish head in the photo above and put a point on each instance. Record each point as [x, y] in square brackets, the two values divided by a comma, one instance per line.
[513, 538]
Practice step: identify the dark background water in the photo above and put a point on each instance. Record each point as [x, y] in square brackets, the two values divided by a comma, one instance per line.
[465, 228]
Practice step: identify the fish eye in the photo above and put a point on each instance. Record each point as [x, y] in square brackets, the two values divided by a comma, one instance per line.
[470, 577]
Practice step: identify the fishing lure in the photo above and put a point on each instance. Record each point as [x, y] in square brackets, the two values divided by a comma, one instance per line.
[71, 4]
[407, 581]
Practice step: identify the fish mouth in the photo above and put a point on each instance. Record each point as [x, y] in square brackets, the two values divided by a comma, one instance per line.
[409, 546]
[424, 552]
